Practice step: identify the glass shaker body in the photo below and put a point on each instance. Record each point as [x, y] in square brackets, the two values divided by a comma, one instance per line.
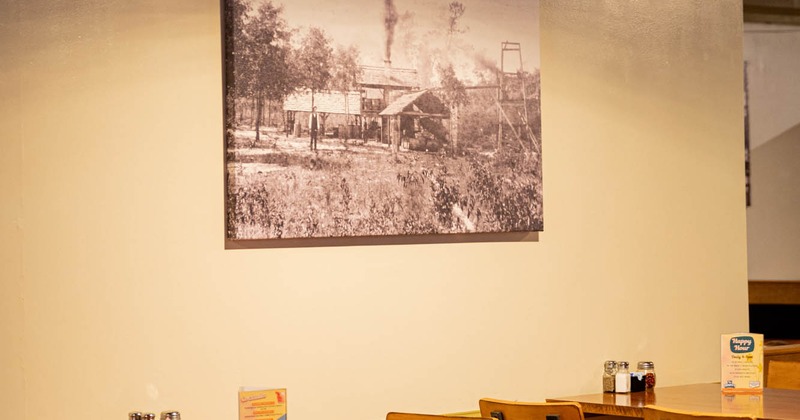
[609, 375]
[622, 383]
[649, 374]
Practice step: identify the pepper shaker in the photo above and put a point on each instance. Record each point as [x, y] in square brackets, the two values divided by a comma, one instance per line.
[609, 373]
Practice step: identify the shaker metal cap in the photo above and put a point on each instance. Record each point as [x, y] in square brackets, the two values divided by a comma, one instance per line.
[170, 415]
[134, 415]
[622, 364]
[645, 365]
[611, 364]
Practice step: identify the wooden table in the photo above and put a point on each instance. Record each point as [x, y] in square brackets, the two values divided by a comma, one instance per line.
[771, 404]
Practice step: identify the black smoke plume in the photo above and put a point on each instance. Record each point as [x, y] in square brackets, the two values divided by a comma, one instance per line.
[389, 22]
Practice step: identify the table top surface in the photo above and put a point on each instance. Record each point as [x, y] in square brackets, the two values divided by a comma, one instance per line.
[771, 404]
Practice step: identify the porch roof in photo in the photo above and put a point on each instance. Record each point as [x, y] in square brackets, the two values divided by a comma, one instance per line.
[326, 102]
[421, 103]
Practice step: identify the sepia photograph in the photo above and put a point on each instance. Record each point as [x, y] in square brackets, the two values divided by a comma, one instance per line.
[371, 118]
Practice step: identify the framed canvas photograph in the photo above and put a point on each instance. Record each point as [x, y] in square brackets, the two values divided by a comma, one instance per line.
[381, 118]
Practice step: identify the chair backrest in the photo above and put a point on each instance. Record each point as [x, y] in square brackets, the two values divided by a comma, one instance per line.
[652, 412]
[394, 415]
[783, 374]
[515, 410]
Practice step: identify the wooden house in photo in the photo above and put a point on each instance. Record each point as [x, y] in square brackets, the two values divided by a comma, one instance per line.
[380, 86]
[414, 121]
[360, 113]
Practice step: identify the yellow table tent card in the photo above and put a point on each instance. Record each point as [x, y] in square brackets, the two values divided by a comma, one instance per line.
[262, 404]
[742, 368]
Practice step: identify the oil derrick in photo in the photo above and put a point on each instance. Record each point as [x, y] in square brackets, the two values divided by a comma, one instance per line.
[513, 118]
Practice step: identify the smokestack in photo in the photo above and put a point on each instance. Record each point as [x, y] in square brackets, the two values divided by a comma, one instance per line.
[389, 22]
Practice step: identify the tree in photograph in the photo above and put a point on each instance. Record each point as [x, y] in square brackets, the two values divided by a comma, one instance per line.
[456, 9]
[478, 121]
[345, 75]
[236, 40]
[455, 95]
[315, 61]
[268, 49]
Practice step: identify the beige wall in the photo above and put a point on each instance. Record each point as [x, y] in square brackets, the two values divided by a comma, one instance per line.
[118, 294]
[773, 228]
[11, 303]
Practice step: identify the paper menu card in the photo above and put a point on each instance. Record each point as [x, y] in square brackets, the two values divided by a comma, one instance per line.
[742, 363]
[262, 403]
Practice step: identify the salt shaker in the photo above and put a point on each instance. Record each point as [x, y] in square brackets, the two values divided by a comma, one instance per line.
[609, 373]
[649, 374]
[622, 380]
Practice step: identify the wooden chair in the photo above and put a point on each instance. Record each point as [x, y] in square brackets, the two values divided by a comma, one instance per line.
[514, 410]
[652, 412]
[783, 374]
[783, 352]
[416, 416]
